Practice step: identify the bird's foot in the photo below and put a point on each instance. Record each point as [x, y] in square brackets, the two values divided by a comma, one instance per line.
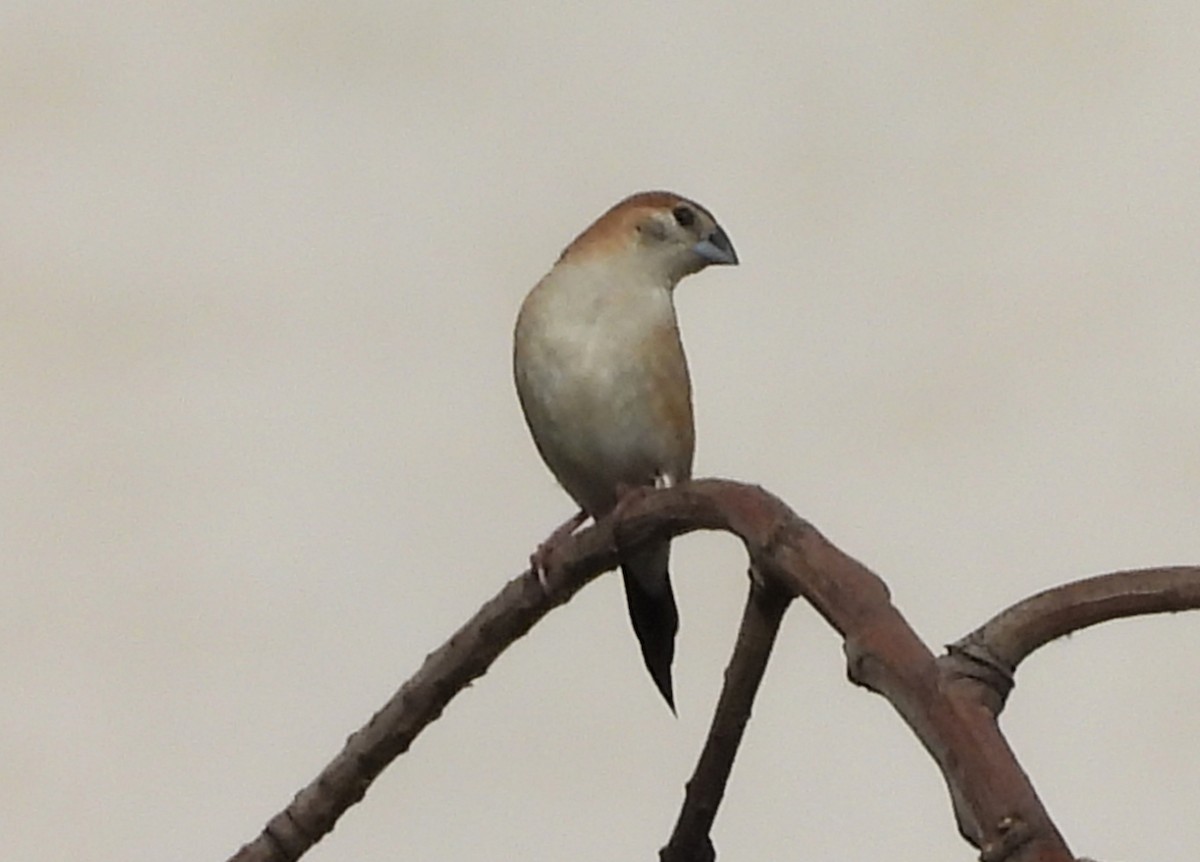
[541, 556]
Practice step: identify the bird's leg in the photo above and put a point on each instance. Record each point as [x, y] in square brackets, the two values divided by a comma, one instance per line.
[541, 555]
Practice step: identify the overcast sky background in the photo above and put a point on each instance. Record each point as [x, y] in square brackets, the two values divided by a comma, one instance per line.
[261, 450]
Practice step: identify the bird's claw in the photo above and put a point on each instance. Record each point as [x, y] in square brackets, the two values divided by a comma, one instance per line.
[537, 565]
[539, 560]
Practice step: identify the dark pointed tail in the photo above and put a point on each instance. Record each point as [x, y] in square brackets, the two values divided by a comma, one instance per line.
[653, 613]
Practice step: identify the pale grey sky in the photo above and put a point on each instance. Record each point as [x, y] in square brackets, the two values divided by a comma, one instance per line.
[262, 453]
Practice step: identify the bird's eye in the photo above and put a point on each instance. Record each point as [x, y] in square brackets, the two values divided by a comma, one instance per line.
[684, 216]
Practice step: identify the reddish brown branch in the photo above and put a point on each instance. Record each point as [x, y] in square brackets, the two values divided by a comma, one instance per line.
[993, 651]
[468, 654]
[690, 841]
[996, 806]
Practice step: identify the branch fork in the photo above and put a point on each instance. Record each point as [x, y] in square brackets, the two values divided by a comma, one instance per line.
[951, 702]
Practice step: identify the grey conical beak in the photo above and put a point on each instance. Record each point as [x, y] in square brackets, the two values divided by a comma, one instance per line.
[716, 248]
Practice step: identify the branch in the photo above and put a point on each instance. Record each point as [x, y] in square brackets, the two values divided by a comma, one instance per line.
[992, 652]
[690, 840]
[997, 808]
[467, 655]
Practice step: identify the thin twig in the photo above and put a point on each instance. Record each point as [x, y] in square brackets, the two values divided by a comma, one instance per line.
[1014, 633]
[690, 841]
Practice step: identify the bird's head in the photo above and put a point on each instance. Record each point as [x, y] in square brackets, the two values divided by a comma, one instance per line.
[659, 233]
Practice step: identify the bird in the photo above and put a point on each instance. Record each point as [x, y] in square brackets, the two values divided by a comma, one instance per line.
[603, 382]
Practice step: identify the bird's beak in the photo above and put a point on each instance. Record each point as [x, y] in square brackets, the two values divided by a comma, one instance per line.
[716, 248]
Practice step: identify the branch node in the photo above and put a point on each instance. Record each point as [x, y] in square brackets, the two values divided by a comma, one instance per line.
[972, 659]
[764, 567]
[857, 659]
[1013, 833]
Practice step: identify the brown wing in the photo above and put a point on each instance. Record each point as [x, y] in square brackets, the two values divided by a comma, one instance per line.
[669, 391]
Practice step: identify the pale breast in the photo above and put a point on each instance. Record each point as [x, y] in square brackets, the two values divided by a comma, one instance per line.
[604, 385]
